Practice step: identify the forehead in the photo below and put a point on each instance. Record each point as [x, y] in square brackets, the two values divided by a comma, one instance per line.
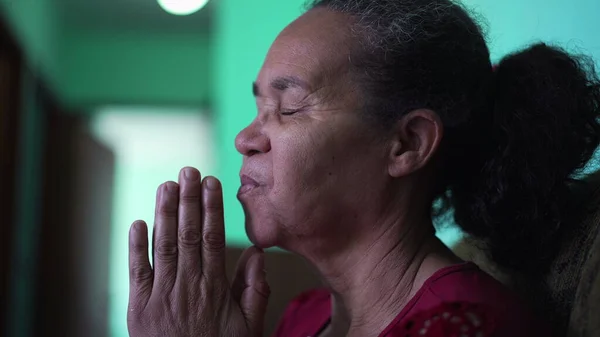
[315, 47]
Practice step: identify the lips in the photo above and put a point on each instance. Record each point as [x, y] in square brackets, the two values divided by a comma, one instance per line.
[247, 184]
[246, 180]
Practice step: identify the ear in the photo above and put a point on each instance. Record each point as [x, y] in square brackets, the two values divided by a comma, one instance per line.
[417, 137]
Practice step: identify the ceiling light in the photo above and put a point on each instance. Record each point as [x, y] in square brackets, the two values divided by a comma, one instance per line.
[182, 7]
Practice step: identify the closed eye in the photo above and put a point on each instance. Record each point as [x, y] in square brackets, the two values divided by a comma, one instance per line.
[288, 112]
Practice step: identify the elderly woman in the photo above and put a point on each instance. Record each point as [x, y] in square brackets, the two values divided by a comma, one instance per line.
[373, 117]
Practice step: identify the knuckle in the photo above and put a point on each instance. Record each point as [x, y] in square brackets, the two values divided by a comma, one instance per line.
[168, 211]
[165, 280]
[189, 237]
[189, 199]
[214, 207]
[165, 249]
[213, 216]
[213, 242]
[213, 203]
[140, 273]
[138, 248]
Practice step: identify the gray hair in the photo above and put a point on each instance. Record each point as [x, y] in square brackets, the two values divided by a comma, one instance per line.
[418, 39]
[513, 136]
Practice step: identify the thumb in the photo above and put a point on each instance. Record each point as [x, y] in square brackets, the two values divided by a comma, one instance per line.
[250, 288]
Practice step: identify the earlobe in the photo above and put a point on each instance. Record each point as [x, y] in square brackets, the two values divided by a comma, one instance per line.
[417, 137]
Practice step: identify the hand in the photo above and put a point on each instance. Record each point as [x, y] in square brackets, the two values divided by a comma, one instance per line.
[186, 292]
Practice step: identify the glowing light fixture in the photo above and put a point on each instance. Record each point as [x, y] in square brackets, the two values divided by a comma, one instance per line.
[182, 7]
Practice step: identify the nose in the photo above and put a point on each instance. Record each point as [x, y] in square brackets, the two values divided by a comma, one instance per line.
[252, 140]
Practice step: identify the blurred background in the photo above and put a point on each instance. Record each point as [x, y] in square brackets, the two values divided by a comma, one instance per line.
[103, 100]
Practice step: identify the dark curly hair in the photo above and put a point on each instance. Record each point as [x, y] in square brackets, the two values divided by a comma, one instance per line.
[515, 134]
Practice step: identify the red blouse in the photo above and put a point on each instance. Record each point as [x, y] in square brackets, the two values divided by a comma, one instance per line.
[459, 300]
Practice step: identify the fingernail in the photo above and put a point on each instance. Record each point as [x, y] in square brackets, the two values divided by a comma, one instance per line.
[138, 225]
[171, 187]
[212, 183]
[191, 174]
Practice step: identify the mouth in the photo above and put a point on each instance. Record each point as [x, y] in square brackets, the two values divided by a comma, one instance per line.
[247, 184]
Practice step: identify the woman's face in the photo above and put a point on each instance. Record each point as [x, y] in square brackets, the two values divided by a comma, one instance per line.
[312, 166]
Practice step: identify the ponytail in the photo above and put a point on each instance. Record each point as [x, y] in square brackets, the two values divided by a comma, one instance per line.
[544, 126]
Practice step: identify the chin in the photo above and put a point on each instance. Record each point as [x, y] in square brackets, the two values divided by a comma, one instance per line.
[262, 244]
[262, 234]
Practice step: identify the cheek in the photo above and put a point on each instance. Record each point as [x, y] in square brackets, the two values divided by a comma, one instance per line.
[302, 166]
[317, 185]
[309, 192]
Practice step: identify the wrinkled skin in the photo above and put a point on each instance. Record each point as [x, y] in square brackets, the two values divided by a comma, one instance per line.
[317, 180]
[187, 293]
[298, 159]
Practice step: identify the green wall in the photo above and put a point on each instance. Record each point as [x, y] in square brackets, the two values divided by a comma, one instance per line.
[512, 24]
[94, 67]
[91, 67]
[244, 32]
[103, 67]
[515, 23]
[150, 146]
[246, 29]
[86, 68]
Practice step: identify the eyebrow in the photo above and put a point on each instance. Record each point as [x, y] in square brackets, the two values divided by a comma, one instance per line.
[282, 83]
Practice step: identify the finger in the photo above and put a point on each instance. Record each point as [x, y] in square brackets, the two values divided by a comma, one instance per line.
[156, 206]
[250, 288]
[190, 217]
[165, 237]
[140, 271]
[213, 229]
[239, 277]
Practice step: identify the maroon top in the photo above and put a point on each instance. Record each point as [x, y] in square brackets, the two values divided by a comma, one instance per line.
[459, 300]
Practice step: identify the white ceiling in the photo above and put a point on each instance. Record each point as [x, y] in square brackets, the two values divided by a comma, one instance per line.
[131, 15]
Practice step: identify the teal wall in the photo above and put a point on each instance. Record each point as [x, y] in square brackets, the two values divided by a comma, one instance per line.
[103, 67]
[514, 23]
[93, 67]
[150, 146]
[244, 32]
[97, 67]
[86, 68]
[246, 29]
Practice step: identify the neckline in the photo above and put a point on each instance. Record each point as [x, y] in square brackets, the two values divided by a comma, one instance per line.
[411, 303]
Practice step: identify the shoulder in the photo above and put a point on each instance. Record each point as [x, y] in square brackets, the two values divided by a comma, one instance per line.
[467, 283]
[450, 319]
[466, 320]
[305, 313]
[470, 289]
